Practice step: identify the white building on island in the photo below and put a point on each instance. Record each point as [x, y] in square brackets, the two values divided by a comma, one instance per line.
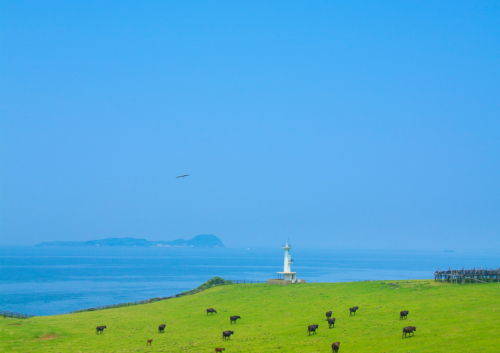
[286, 277]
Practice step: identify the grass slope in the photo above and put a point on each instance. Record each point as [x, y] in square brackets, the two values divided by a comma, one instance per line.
[448, 318]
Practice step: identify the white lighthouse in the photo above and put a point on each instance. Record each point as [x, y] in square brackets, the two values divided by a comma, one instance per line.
[286, 276]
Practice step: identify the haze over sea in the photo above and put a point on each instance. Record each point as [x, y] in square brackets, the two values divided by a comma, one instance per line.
[54, 280]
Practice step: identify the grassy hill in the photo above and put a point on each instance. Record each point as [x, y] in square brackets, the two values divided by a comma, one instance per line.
[448, 318]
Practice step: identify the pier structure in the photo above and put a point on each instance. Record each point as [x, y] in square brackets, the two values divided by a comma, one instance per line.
[464, 276]
[286, 276]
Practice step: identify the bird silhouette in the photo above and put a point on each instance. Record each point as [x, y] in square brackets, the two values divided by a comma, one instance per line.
[182, 176]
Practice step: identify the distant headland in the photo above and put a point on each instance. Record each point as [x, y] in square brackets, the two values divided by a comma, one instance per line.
[199, 241]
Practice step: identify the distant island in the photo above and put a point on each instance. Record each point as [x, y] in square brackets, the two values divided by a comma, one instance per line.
[199, 241]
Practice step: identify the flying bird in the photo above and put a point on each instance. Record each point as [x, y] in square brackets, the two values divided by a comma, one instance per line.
[182, 176]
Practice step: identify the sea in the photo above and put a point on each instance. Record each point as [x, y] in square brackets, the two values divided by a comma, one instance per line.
[56, 280]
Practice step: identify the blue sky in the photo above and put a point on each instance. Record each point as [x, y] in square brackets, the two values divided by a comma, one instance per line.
[370, 125]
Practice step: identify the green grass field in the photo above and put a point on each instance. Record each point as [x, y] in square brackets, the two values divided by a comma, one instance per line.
[448, 318]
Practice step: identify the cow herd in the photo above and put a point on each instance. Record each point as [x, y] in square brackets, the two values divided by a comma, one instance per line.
[226, 335]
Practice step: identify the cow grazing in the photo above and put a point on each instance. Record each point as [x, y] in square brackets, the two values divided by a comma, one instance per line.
[100, 329]
[409, 330]
[312, 328]
[211, 311]
[149, 342]
[161, 328]
[227, 335]
[353, 310]
[219, 349]
[335, 347]
[233, 319]
[403, 314]
[331, 322]
[328, 314]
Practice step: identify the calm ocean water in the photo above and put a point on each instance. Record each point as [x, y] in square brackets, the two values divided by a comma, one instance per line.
[52, 280]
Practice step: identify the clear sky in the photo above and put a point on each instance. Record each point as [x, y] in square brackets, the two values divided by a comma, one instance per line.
[369, 125]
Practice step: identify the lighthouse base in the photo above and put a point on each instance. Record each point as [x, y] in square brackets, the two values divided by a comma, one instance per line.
[284, 282]
[288, 278]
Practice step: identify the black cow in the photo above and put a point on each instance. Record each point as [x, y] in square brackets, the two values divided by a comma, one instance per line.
[233, 319]
[335, 347]
[312, 328]
[211, 311]
[227, 335]
[403, 314]
[409, 330]
[353, 310]
[331, 322]
[100, 329]
[328, 314]
[161, 328]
